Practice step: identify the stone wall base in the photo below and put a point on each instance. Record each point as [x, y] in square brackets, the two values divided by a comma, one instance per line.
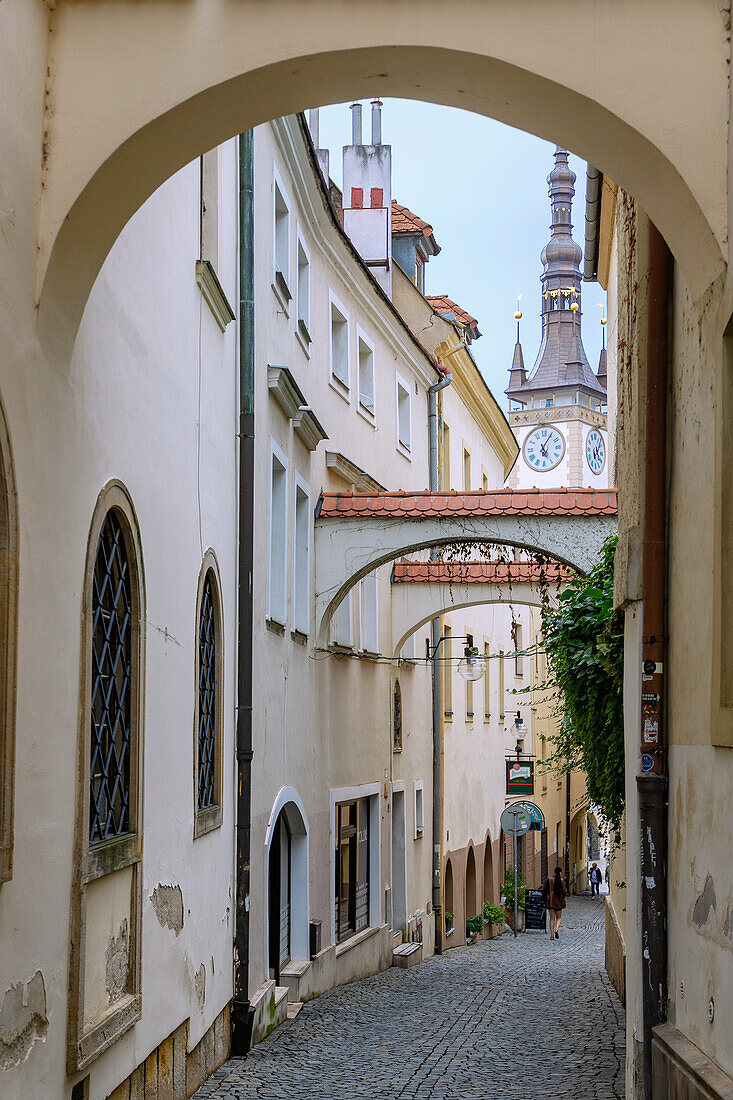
[172, 1071]
[615, 952]
[680, 1070]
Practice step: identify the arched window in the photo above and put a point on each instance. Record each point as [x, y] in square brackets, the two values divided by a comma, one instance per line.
[208, 725]
[397, 715]
[112, 674]
[108, 869]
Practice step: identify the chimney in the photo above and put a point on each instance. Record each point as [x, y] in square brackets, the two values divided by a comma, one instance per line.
[322, 155]
[376, 122]
[367, 196]
[355, 123]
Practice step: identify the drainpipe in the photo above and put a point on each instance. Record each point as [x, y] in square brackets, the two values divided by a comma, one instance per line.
[652, 781]
[242, 1015]
[433, 392]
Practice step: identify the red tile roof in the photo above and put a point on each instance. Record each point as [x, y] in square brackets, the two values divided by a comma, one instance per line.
[441, 303]
[404, 221]
[502, 502]
[480, 572]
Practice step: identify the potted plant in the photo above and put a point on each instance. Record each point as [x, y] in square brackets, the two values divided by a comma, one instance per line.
[448, 923]
[473, 928]
[495, 917]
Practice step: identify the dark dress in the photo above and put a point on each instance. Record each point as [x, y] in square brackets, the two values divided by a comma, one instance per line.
[551, 899]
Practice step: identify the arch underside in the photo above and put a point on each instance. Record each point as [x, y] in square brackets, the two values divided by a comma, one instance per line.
[414, 604]
[228, 66]
[347, 549]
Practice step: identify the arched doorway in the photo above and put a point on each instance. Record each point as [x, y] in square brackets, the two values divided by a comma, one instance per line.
[448, 907]
[471, 906]
[288, 909]
[489, 887]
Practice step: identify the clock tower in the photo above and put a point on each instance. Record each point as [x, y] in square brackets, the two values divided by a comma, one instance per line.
[558, 412]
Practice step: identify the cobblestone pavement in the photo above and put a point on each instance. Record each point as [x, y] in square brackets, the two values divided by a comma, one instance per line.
[504, 1019]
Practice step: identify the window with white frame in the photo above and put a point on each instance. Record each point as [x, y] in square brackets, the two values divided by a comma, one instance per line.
[366, 374]
[301, 562]
[487, 682]
[339, 345]
[368, 612]
[277, 605]
[282, 243]
[304, 293]
[518, 647]
[404, 427]
[419, 808]
[341, 628]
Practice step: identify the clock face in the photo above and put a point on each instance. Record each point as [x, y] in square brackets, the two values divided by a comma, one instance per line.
[544, 448]
[595, 451]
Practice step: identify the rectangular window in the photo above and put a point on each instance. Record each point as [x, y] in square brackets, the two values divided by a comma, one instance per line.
[469, 700]
[277, 609]
[446, 655]
[366, 375]
[339, 345]
[501, 685]
[282, 245]
[304, 294]
[487, 683]
[466, 471]
[518, 646]
[404, 427]
[341, 631]
[301, 562]
[209, 207]
[445, 463]
[352, 868]
[484, 481]
[419, 808]
[368, 614]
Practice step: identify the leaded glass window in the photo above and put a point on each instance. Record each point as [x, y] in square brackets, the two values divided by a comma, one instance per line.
[109, 803]
[207, 698]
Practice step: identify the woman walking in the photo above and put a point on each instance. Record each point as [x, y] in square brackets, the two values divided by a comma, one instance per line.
[554, 893]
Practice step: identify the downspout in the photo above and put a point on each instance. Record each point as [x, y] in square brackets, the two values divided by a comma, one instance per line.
[652, 781]
[242, 1015]
[433, 392]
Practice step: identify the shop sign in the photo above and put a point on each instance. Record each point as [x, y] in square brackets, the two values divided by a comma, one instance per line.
[519, 777]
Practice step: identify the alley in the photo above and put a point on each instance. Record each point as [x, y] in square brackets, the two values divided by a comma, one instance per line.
[517, 1019]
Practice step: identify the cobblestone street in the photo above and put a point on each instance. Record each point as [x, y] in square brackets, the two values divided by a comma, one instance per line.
[500, 1020]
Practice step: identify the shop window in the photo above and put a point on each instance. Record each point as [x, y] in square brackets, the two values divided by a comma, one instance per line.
[352, 868]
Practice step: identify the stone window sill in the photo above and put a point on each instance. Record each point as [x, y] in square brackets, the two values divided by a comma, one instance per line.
[356, 939]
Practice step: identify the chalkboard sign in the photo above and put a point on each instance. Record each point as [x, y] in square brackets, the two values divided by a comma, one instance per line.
[535, 914]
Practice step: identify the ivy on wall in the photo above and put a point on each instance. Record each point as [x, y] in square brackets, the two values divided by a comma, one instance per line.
[583, 641]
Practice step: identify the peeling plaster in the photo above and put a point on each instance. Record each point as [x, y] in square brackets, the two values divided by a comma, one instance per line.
[23, 1020]
[705, 903]
[199, 981]
[117, 962]
[168, 905]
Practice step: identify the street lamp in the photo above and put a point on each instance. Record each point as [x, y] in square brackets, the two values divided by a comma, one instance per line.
[470, 667]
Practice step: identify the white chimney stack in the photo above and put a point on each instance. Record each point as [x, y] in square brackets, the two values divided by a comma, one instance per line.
[367, 197]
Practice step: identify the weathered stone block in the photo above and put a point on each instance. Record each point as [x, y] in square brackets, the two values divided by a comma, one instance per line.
[165, 1069]
[122, 1092]
[137, 1083]
[180, 1045]
[195, 1069]
[151, 1076]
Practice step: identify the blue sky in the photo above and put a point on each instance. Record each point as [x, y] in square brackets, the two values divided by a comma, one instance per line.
[483, 188]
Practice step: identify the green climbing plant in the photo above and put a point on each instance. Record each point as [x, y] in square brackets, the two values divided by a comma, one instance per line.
[583, 640]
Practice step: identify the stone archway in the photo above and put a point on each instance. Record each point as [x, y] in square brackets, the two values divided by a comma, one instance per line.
[489, 884]
[471, 893]
[112, 138]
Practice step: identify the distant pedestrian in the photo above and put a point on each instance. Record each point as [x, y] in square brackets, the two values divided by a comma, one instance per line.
[605, 875]
[596, 878]
[554, 893]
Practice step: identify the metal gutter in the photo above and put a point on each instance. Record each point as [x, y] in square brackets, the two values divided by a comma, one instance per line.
[593, 191]
[242, 1013]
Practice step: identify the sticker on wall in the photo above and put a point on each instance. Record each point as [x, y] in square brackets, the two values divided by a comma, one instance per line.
[647, 762]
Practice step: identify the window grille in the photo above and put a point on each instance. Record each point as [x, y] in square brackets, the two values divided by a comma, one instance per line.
[109, 803]
[397, 715]
[207, 699]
